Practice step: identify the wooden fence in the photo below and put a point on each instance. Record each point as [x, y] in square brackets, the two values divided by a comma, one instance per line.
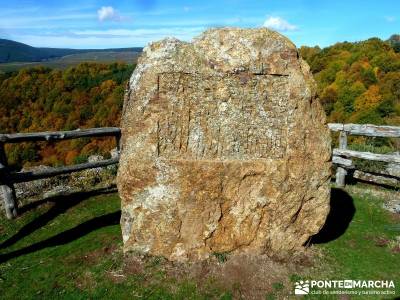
[8, 178]
[341, 156]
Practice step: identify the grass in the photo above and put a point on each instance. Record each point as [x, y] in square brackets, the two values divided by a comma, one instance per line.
[367, 249]
[359, 254]
[71, 249]
[74, 255]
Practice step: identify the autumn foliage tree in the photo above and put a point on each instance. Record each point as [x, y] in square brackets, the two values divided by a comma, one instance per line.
[358, 82]
[41, 99]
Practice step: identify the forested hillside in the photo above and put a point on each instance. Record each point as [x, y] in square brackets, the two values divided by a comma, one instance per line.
[357, 82]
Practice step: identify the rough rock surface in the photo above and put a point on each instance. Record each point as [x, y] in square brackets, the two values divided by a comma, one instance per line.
[225, 148]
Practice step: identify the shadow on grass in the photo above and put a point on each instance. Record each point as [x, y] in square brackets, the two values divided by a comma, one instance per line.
[67, 236]
[84, 195]
[338, 220]
[60, 205]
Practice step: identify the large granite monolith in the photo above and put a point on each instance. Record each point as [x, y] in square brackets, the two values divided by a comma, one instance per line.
[225, 148]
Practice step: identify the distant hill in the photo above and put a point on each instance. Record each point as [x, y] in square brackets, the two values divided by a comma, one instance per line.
[11, 51]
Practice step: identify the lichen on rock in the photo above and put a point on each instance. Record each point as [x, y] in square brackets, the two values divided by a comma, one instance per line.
[225, 148]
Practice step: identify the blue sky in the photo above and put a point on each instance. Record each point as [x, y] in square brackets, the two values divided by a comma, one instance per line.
[129, 23]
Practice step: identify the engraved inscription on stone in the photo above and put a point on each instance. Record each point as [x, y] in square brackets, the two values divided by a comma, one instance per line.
[224, 148]
[240, 116]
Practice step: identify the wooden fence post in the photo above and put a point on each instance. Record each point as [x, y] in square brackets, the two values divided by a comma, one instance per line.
[341, 172]
[6, 186]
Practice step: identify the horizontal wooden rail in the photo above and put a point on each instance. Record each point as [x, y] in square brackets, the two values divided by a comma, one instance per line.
[389, 158]
[8, 178]
[366, 129]
[59, 135]
[377, 178]
[343, 162]
[50, 172]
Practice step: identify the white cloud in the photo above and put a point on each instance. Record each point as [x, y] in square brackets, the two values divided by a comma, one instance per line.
[390, 19]
[279, 24]
[142, 34]
[111, 38]
[108, 13]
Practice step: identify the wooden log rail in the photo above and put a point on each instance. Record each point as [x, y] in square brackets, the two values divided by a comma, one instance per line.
[366, 130]
[342, 156]
[59, 135]
[8, 178]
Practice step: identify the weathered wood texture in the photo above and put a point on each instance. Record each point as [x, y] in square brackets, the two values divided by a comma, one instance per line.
[7, 186]
[60, 135]
[374, 178]
[366, 130]
[389, 158]
[343, 162]
[341, 172]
